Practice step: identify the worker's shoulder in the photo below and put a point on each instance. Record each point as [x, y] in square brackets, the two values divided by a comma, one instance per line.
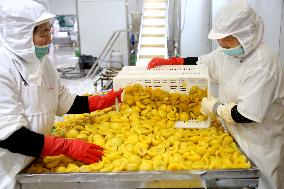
[265, 52]
[5, 60]
[263, 57]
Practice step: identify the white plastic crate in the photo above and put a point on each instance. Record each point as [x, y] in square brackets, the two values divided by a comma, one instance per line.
[169, 78]
[191, 69]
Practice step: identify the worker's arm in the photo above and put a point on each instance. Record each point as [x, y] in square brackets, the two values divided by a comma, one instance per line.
[80, 105]
[251, 105]
[228, 112]
[87, 104]
[29, 143]
[172, 61]
[17, 138]
[238, 117]
[190, 61]
[25, 142]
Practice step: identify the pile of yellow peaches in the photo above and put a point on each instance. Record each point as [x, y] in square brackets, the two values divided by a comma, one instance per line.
[141, 136]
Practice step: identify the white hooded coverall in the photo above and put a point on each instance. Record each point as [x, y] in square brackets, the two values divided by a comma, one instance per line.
[31, 93]
[255, 82]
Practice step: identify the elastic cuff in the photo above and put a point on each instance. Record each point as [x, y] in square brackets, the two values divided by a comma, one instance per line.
[239, 118]
[63, 108]
[190, 61]
[224, 111]
[24, 141]
[215, 107]
[80, 105]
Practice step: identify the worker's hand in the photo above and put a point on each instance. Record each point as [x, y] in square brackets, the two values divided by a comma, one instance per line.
[74, 148]
[209, 106]
[101, 102]
[161, 61]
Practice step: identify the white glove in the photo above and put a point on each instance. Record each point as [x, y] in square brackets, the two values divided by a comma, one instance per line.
[224, 111]
[212, 106]
[209, 106]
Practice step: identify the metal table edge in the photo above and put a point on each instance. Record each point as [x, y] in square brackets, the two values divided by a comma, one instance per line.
[252, 173]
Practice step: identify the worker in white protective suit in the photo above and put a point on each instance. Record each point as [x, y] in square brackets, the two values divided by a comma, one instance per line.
[31, 94]
[251, 88]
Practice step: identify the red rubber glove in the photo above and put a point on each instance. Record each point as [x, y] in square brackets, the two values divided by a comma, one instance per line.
[101, 102]
[74, 148]
[161, 61]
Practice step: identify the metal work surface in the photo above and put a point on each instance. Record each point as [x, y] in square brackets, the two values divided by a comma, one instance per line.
[157, 179]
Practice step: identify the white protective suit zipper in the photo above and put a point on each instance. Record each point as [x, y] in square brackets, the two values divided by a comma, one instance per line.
[25, 82]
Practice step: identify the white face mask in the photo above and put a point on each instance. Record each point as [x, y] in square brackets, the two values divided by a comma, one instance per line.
[236, 51]
[41, 51]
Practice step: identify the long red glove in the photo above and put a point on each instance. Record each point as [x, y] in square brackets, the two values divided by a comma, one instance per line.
[74, 148]
[161, 61]
[100, 102]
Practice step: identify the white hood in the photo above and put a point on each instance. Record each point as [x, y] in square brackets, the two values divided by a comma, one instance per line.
[238, 19]
[17, 21]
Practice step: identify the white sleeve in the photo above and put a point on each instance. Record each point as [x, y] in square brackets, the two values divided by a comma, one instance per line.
[65, 99]
[257, 93]
[211, 60]
[12, 116]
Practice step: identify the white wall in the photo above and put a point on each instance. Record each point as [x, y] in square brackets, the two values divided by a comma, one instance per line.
[216, 5]
[62, 7]
[98, 19]
[135, 6]
[281, 47]
[195, 23]
[270, 11]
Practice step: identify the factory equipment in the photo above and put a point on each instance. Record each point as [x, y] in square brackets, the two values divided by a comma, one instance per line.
[105, 79]
[153, 32]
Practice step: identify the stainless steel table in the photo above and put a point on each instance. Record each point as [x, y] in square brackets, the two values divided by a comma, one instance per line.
[231, 178]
